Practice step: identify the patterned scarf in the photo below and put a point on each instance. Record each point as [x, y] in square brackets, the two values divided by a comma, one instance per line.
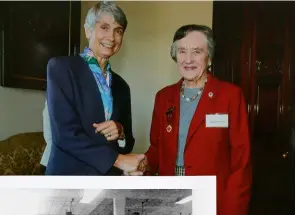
[103, 83]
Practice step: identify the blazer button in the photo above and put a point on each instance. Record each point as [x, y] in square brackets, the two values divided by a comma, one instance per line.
[188, 166]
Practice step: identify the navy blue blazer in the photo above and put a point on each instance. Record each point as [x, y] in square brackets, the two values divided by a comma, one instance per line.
[74, 104]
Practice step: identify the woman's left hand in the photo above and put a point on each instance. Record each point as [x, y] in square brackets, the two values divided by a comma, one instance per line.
[110, 129]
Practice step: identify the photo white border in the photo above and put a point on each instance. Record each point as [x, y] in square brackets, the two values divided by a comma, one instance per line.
[203, 187]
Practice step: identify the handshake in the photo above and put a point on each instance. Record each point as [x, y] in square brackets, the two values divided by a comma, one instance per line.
[132, 164]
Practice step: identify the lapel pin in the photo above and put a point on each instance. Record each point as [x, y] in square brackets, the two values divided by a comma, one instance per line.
[169, 128]
[211, 94]
[169, 116]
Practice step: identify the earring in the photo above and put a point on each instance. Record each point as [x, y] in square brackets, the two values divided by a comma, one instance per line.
[209, 66]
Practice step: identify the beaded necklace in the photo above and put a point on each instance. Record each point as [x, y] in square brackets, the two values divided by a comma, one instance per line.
[193, 97]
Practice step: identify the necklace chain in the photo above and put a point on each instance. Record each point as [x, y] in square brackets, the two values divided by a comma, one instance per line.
[193, 97]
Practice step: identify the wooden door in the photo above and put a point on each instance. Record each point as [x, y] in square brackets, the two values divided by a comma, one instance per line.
[271, 70]
[228, 36]
[255, 51]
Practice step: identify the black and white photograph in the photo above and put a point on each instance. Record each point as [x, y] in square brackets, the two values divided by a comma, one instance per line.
[96, 201]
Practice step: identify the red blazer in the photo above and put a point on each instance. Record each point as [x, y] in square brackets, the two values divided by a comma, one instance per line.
[224, 152]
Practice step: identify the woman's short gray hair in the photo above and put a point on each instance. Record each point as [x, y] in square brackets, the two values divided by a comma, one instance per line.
[93, 14]
[184, 30]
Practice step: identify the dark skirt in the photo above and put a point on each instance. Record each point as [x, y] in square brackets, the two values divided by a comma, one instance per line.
[42, 169]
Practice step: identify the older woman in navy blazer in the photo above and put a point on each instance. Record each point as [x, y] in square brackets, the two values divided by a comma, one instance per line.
[89, 105]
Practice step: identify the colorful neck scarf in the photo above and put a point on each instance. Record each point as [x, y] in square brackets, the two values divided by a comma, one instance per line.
[103, 83]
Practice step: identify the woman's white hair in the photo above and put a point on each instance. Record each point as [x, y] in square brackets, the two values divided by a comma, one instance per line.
[93, 14]
[184, 30]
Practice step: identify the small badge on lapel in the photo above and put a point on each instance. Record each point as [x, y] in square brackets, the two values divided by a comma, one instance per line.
[210, 94]
[169, 128]
[169, 116]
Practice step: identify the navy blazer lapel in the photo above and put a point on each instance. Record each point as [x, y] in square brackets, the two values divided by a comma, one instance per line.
[115, 95]
[94, 102]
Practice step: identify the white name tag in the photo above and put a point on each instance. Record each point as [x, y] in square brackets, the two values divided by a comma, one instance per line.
[217, 120]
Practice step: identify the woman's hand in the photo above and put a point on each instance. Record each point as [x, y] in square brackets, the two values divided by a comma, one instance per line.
[129, 163]
[142, 168]
[110, 129]
[143, 165]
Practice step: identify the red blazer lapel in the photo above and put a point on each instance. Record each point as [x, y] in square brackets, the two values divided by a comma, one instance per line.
[205, 106]
[173, 101]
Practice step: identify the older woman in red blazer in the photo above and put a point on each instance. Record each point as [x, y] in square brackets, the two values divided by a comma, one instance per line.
[200, 124]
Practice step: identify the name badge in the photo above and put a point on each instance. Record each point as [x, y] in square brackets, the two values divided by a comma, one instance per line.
[217, 120]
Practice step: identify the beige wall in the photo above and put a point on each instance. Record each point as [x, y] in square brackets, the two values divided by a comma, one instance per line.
[20, 111]
[144, 60]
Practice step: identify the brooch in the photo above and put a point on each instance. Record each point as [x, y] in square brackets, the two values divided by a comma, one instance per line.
[169, 117]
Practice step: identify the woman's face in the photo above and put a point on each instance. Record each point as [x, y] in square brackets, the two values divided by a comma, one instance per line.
[106, 37]
[192, 56]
